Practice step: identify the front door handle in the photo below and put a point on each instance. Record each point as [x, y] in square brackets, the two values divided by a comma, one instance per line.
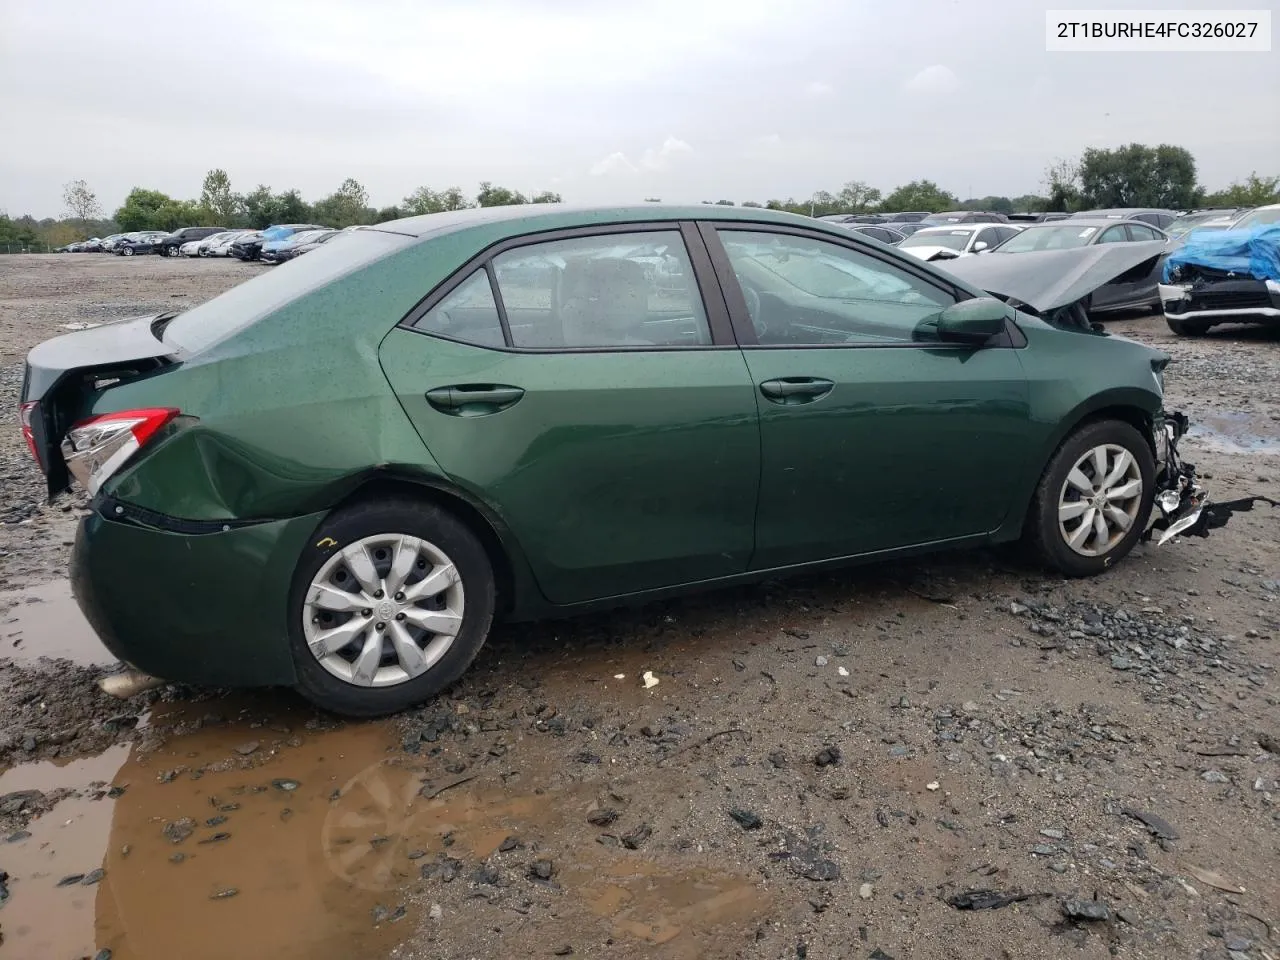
[791, 390]
[473, 399]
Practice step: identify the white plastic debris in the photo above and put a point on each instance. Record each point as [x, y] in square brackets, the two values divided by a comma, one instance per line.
[619, 676]
[436, 912]
[932, 785]
[842, 671]
[649, 679]
[866, 891]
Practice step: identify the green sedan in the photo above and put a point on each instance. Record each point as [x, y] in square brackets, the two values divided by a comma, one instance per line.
[338, 475]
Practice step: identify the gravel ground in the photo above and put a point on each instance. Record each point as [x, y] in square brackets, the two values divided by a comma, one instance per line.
[958, 757]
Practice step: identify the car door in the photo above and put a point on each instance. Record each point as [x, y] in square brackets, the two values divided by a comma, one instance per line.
[874, 436]
[579, 386]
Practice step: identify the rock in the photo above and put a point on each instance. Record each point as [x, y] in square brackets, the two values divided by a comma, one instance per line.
[103, 954]
[1086, 910]
[745, 818]
[899, 751]
[586, 756]
[176, 831]
[1157, 825]
[1018, 609]
[70, 879]
[436, 912]
[247, 748]
[820, 662]
[635, 839]
[19, 800]
[1239, 944]
[602, 817]
[565, 951]
[1044, 850]
[542, 870]
[866, 891]
[177, 857]
[778, 758]
[92, 877]
[288, 786]
[1052, 833]
[509, 844]
[446, 869]
[827, 756]
[224, 894]
[1121, 663]
[17, 836]
[1214, 776]
[486, 874]
[970, 706]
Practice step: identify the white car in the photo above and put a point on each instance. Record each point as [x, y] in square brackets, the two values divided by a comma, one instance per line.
[191, 248]
[958, 240]
[219, 245]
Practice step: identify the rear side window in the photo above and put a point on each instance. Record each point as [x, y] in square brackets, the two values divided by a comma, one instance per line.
[469, 313]
[612, 290]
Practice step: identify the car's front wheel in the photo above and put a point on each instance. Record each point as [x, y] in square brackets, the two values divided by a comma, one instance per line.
[1187, 328]
[1094, 499]
[390, 604]
[128, 251]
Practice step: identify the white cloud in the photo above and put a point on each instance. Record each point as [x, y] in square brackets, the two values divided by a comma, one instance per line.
[653, 158]
[818, 88]
[661, 159]
[936, 80]
[616, 162]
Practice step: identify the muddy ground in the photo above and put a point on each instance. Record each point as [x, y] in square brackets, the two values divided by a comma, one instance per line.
[826, 768]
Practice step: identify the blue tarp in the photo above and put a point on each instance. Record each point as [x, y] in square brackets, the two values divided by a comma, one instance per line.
[1255, 252]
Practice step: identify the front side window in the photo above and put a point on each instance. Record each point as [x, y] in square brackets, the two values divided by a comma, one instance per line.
[1113, 235]
[467, 313]
[613, 290]
[801, 290]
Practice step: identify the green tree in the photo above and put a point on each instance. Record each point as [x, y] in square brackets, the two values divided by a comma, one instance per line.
[1137, 175]
[425, 200]
[388, 213]
[82, 203]
[990, 204]
[1031, 203]
[291, 208]
[1253, 191]
[546, 196]
[491, 196]
[345, 207]
[750, 203]
[919, 195]
[176, 214]
[216, 196]
[140, 209]
[1062, 184]
[856, 197]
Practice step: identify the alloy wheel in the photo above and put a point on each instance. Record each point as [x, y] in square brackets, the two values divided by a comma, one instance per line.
[1100, 500]
[383, 610]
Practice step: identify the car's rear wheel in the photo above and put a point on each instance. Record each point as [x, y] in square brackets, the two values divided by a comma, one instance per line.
[389, 606]
[1094, 499]
[1187, 328]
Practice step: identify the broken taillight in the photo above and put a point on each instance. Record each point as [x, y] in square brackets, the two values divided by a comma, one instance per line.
[26, 416]
[96, 448]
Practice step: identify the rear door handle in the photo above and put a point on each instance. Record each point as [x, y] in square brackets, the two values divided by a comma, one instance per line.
[791, 390]
[473, 399]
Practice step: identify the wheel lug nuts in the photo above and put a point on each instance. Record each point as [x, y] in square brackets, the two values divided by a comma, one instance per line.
[380, 626]
[399, 616]
[400, 597]
[366, 613]
[377, 594]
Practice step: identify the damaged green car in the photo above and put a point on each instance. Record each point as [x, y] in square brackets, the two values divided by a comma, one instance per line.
[338, 475]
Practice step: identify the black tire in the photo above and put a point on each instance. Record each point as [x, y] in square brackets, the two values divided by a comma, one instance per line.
[1043, 534]
[399, 516]
[1187, 328]
[127, 252]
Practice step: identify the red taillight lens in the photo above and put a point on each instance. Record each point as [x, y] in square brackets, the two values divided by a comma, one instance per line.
[96, 448]
[27, 414]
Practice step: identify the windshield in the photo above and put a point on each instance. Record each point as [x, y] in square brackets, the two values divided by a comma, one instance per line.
[1257, 218]
[950, 239]
[1056, 237]
[244, 305]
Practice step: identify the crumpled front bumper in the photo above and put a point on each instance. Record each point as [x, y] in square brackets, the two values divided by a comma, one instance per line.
[1182, 505]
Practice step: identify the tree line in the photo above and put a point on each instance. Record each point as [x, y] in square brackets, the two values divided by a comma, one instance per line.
[1134, 175]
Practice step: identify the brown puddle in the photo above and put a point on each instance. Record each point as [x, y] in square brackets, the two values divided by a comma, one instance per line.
[44, 621]
[309, 865]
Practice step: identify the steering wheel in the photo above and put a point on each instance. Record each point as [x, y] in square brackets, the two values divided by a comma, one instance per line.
[755, 310]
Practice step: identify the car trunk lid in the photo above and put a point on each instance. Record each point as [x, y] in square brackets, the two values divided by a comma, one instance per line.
[64, 375]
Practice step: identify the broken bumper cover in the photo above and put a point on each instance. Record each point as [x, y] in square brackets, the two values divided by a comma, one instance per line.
[1222, 300]
[1181, 505]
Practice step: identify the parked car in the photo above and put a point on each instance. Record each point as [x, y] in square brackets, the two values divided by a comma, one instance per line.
[906, 216]
[1137, 290]
[219, 245]
[1230, 276]
[1182, 227]
[884, 233]
[92, 245]
[147, 241]
[277, 251]
[854, 218]
[963, 216]
[444, 420]
[1257, 217]
[305, 242]
[70, 248]
[1155, 217]
[171, 245]
[248, 246]
[1036, 217]
[109, 242]
[961, 240]
[191, 248]
[906, 228]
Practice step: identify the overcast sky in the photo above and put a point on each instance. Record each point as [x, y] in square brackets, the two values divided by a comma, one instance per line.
[687, 100]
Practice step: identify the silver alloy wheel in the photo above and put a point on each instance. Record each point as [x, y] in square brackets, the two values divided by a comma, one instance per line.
[1100, 500]
[383, 610]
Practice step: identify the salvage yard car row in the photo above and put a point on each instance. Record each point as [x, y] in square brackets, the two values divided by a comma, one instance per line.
[275, 244]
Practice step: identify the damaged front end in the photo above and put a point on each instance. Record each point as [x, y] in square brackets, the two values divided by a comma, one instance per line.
[1181, 504]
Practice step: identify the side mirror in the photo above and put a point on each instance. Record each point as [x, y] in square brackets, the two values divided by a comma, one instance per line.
[973, 321]
[980, 246]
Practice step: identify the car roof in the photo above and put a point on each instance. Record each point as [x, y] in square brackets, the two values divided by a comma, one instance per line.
[1114, 212]
[1072, 222]
[531, 217]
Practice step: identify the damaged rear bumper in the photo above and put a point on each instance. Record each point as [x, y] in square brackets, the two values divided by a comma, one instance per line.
[1182, 505]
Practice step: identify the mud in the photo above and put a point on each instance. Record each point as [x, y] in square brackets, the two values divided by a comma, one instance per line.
[822, 765]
